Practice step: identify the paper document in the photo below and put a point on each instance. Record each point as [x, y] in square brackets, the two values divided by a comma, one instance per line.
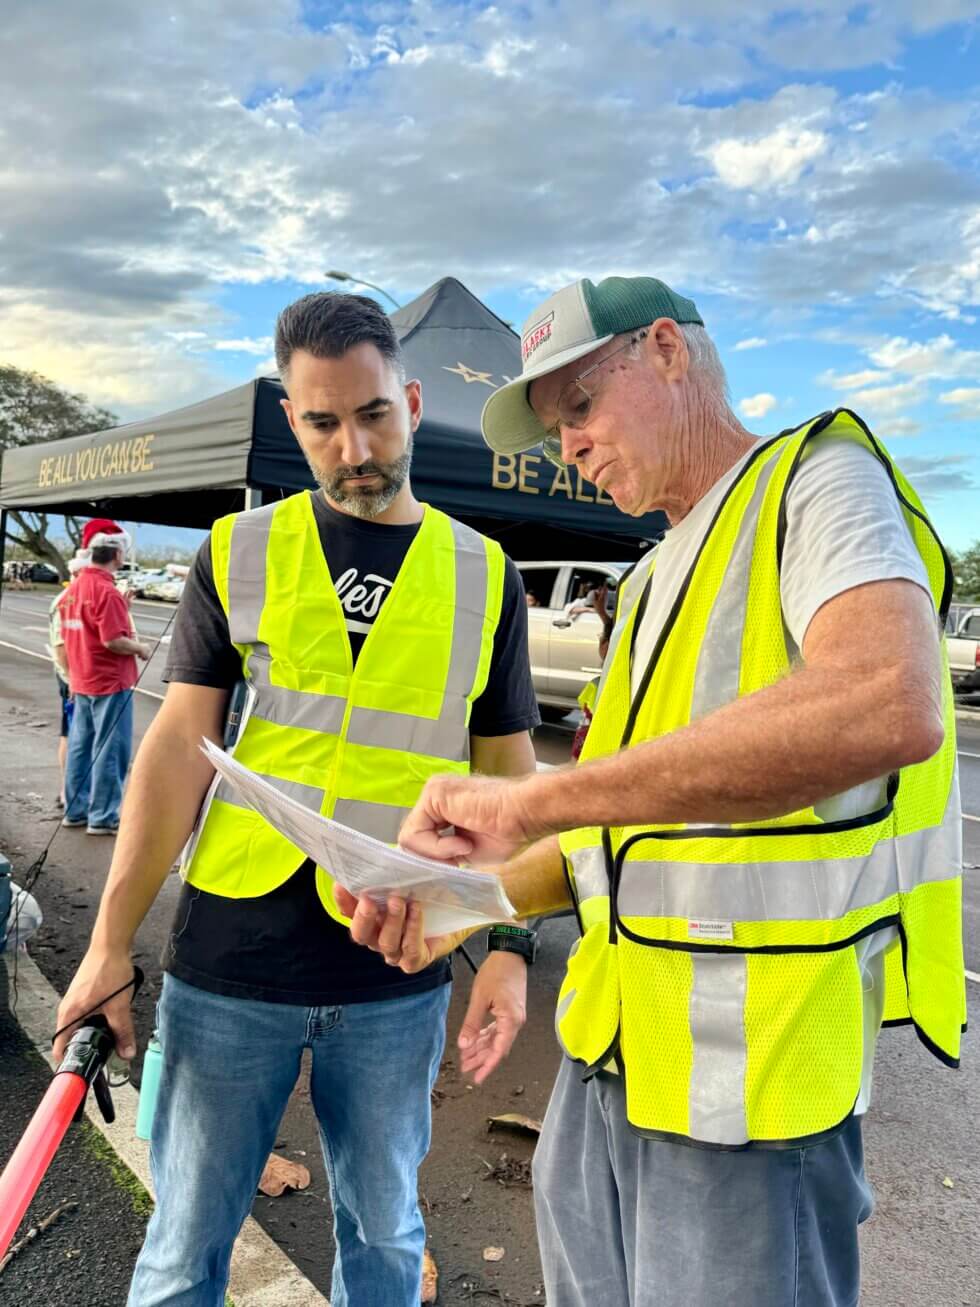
[452, 898]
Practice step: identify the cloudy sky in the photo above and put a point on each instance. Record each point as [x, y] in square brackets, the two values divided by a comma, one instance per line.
[171, 175]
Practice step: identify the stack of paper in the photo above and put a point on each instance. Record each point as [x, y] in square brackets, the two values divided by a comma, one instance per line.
[452, 897]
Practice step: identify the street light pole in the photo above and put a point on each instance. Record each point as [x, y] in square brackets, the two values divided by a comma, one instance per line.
[359, 281]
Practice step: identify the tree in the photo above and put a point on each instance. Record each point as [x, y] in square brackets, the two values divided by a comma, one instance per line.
[966, 573]
[32, 410]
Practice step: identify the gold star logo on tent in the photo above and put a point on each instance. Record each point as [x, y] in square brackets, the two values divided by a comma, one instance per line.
[470, 374]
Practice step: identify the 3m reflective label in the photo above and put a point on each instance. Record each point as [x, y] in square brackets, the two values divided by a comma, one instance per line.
[702, 929]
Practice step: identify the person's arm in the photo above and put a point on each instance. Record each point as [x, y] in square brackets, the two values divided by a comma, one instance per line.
[58, 651]
[535, 884]
[857, 709]
[125, 644]
[113, 624]
[163, 797]
[502, 755]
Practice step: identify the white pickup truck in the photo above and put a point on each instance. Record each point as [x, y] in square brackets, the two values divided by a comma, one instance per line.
[963, 646]
[563, 630]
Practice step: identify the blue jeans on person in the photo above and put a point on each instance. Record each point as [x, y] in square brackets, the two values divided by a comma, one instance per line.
[100, 743]
[229, 1066]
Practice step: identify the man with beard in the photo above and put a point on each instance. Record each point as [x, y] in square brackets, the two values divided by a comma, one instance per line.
[381, 643]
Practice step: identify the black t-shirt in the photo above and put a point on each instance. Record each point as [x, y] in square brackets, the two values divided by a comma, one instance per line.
[284, 947]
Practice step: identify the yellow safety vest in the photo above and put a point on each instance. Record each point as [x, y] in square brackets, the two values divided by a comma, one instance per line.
[717, 965]
[356, 743]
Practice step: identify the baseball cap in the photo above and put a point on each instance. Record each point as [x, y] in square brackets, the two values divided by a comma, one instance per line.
[572, 323]
[100, 526]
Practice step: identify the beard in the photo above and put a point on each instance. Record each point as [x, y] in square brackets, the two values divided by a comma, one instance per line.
[364, 501]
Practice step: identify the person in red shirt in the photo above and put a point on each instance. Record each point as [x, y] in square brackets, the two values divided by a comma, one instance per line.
[101, 652]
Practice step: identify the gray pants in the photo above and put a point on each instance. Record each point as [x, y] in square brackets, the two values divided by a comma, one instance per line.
[630, 1222]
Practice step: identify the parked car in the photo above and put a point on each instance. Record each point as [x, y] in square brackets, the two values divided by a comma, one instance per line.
[963, 648]
[136, 581]
[169, 589]
[42, 574]
[564, 643]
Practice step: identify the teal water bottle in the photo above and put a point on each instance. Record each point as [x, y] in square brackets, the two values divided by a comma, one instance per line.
[152, 1065]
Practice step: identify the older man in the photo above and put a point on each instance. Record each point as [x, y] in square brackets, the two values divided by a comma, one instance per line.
[762, 839]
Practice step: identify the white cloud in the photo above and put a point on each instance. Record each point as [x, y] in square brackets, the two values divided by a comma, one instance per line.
[147, 182]
[965, 399]
[751, 342]
[851, 380]
[892, 427]
[939, 475]
[940, 357]
[757, 406]
[774, 160]
[889, 401]
[245, 345]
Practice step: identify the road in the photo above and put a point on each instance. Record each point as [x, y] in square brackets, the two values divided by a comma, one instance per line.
[23, 625]
[920, 1250]
[24, 622]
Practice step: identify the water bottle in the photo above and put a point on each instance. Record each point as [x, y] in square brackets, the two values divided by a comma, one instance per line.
[152, 1066]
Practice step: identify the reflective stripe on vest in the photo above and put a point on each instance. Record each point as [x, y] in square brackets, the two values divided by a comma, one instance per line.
[721, 961]
[358, 743]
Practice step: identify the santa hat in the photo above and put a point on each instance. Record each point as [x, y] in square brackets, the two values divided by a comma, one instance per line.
[103, 531]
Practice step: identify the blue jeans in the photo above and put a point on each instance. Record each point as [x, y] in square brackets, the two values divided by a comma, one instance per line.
[633, 1222]
[100, 743]
[229, 1065]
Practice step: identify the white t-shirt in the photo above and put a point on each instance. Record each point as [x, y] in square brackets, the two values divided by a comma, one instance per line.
[844, 528]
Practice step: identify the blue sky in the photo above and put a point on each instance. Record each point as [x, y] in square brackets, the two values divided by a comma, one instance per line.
[808, 174]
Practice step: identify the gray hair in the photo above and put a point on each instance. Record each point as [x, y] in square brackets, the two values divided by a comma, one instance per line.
[706, 368]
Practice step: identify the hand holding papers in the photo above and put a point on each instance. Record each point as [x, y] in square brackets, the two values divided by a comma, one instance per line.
[452, 898]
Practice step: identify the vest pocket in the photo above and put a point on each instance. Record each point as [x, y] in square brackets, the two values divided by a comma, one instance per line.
[804, 1039]
[656, 1041]
[587, 1015]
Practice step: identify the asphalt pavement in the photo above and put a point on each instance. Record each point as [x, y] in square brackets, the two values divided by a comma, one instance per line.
[921, 1249]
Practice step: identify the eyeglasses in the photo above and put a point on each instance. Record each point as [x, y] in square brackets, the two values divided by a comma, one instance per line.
[575, 402]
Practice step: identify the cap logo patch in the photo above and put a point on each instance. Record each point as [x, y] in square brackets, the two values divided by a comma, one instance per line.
[539, 333]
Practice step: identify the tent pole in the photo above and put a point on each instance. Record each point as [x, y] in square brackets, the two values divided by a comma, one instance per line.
[3, 545]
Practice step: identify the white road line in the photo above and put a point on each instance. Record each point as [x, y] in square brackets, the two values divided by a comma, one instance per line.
[962, 753]
[261, 1273]
[146, 611]
[972, 975]
[40, 629]
[31, 653]
[968, 816]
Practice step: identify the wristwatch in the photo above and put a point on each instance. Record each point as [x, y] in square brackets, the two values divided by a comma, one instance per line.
[513, 939]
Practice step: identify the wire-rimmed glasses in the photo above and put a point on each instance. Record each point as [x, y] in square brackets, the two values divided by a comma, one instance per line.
[574, 405]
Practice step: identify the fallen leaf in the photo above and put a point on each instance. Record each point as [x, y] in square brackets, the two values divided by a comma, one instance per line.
[430, 1277]
[947, 1183]
[280, 1174]
[515, 1121]
[493, 1254]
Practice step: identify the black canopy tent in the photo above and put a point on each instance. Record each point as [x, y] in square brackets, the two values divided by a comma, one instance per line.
[234, 450]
